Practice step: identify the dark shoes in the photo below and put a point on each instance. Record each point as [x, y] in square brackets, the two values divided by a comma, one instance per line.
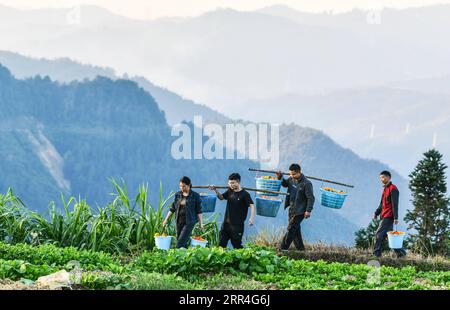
[376, 255]
[400, 254]
[282, 251]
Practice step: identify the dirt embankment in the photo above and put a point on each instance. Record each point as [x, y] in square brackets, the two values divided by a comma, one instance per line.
[6, 284]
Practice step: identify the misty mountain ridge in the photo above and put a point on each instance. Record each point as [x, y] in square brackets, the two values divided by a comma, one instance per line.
[205, 52]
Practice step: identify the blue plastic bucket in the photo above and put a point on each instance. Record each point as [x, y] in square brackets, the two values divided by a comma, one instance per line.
[195, 243]
[269, 185]
[332, 200]
[396, 241]
[208, 202]
[267, 207]
[163, 243]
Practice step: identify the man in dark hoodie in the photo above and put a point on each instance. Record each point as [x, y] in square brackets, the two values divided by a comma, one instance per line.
[388, 211]
[300, 203]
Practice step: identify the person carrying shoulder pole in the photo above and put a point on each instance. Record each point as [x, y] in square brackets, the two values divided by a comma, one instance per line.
[187, 206]
[388, 211]
[300, 203]
[238, 202]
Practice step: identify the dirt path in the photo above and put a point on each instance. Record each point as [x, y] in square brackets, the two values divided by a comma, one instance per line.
[6, 284]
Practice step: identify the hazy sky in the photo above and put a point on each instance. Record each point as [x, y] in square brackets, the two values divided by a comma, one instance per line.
[160, 8]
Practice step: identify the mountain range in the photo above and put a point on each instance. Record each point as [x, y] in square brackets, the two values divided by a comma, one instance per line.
[227, 57]
[374, 81]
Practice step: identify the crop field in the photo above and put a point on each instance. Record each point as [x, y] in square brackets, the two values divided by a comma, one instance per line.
[113, 248]
[206, 268]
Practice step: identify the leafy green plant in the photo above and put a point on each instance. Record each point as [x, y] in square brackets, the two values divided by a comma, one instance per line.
[65, 229]
[135, 281]
[158, 281]
[322, 275]
[197, 268]
[17, 269]
[58, 257]
[103, 281]
[221, 281]
[16, 223]
[204, 260]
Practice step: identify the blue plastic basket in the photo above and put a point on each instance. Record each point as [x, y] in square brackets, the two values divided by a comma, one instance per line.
[332, 200]
[266, 207]
[269, 185]
[208, 202]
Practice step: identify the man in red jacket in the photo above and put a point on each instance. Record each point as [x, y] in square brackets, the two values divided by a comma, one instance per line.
[388, 210]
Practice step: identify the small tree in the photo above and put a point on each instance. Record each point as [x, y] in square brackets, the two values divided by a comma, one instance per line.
[430, 217]
[365, 237]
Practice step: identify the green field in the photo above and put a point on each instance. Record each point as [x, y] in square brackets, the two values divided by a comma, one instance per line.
[113, 248]
[207, 268]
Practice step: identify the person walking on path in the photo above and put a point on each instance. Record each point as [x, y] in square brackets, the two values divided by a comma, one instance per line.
[188, 210]
[388, 212]
[300, 203]
[238, 203]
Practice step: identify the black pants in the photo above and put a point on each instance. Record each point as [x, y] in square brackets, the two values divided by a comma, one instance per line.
[294, 233]
[386, 224]
[184, 232]
[229, 232]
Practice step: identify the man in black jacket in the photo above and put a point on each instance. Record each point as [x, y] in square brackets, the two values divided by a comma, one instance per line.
[300, 203]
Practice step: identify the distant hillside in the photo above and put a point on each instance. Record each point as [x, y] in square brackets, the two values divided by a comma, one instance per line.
[73, 137]
[176, 108]
[436, 85]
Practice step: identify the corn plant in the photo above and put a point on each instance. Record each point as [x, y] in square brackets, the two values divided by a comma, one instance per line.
[147, 220]
[125, 225]
[67, 228]
[15, 220]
